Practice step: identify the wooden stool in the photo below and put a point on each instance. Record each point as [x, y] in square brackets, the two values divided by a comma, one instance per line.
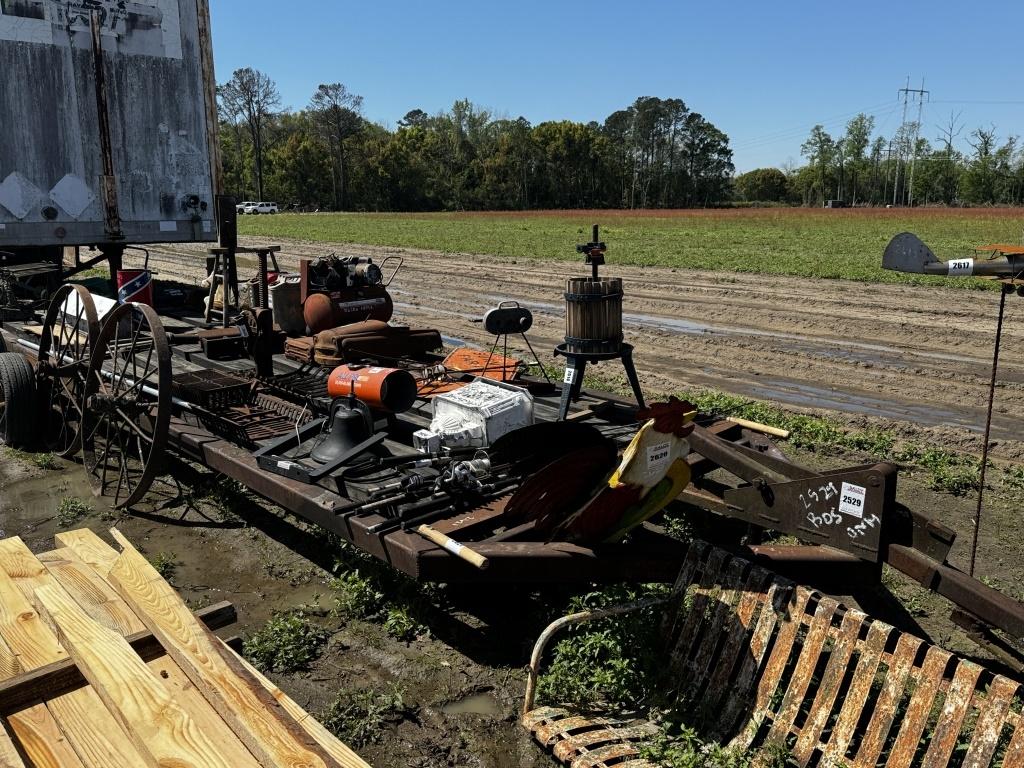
[224, 271]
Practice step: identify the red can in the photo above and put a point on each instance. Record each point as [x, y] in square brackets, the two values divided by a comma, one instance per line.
[135, 285]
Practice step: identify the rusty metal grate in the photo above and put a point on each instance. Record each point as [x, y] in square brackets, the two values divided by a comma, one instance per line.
[759, 660]
[265, 418]
[212, 389]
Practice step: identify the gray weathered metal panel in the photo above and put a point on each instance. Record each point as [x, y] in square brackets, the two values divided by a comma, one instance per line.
[157, 86]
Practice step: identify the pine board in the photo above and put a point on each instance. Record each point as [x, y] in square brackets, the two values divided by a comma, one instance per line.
[96, 737]
[31, 641]
[246, 706]
[9, 757]
[91, 592]
[201, 705]
[160, 729]
[89, 548]
[42, 739]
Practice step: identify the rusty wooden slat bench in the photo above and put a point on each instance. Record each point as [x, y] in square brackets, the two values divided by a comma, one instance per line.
[755, 659]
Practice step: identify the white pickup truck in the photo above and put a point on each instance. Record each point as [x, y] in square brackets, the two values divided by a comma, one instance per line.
[254, 208]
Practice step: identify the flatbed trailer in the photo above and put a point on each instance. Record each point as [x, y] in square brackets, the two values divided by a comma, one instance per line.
[743, 482]
[649, 556]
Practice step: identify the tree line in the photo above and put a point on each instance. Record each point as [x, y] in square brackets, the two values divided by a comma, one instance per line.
[860, 168]
[655, 153]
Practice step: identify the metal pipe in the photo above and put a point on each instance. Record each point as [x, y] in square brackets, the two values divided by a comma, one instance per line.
[109, 376]
[988, 425]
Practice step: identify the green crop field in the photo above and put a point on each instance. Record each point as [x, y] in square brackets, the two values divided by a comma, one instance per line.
[803, 242]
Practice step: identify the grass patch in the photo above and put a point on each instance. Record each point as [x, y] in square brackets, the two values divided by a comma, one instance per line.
[70, 510]
[401, 625]
[42, 460]
[948, 471]
[287, 642]
[678, 746]
[356, 595]
[912, 595]
[365, 588]
[787, 241]
[608, 660]
[45, 461]
[358, 715]
[620, 661]
[165, 563]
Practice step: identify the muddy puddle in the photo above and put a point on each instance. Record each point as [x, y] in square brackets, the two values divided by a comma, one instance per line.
[31, 498]
[482, 703]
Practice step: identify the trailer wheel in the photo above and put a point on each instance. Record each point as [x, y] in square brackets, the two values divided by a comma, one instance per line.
[65, 349]
[17, 412]
[126, 404]
[3, 344]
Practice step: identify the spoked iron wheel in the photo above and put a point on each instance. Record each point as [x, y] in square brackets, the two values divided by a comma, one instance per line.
[65, 348]
[126, 406]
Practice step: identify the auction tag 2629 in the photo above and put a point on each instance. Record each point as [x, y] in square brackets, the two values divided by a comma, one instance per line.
[851, 499]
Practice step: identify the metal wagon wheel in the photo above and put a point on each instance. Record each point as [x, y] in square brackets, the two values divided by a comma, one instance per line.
[65, 348]
[126, 405]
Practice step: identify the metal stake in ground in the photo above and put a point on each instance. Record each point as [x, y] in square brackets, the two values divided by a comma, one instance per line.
[1007, 288]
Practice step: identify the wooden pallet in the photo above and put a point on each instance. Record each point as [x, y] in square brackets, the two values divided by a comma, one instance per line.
[102, 665]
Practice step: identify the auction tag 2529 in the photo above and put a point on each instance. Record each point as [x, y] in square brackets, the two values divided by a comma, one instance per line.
[851, 499]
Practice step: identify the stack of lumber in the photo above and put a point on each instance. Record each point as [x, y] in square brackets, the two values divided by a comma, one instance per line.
[102, 665]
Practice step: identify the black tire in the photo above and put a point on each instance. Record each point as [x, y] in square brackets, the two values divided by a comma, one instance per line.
[18, 411]
[3, 344]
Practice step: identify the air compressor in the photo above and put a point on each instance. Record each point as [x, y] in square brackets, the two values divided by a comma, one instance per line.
[338, 290]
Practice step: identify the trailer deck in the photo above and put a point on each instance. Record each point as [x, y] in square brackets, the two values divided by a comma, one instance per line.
[648, 555]
[140, 385]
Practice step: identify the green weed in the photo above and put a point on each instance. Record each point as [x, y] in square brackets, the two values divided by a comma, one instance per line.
[70, 510]
[1013, 479]
[286, 643]
[913, 596]
[608, 660]
[948, 471]
[678, 527]
[165, 563]
[400, 625]
[953, 473]
[358, 715]
[45, 461]
[42, 460]
[678, 746]
[356, 595]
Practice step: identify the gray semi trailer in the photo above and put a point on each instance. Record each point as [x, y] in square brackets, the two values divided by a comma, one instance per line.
[108, 132]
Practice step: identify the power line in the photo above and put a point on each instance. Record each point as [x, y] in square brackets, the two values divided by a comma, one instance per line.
[788, 133]
[977, 101]
[796, 134]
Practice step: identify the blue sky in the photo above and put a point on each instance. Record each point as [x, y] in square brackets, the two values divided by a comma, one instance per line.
[764, 72]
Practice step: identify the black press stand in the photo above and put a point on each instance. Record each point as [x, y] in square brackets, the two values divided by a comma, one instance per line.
[576, 366]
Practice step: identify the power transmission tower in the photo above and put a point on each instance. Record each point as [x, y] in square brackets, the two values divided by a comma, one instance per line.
[888, 163]
[918, 96]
